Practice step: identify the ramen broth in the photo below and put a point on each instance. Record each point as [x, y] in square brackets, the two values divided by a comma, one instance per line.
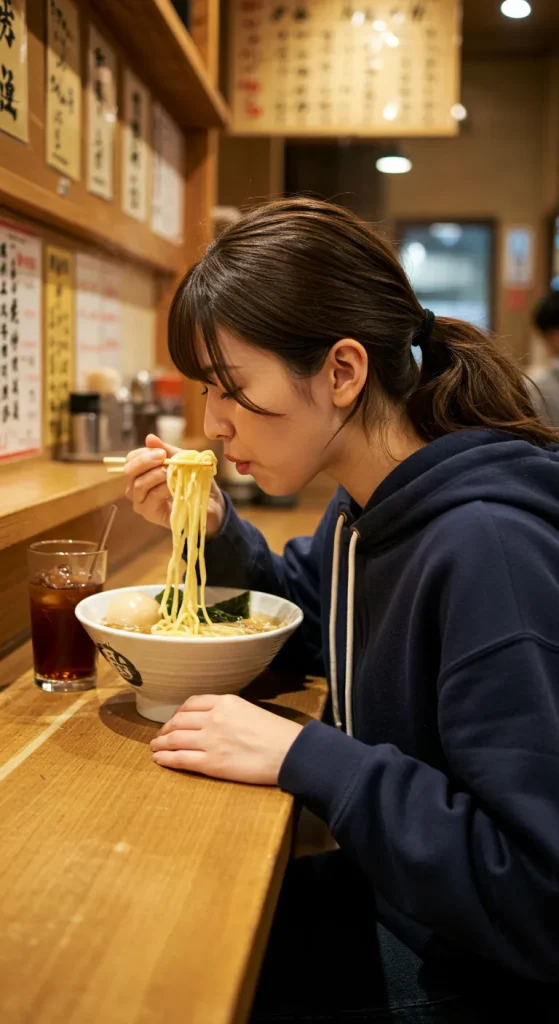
[244, 627]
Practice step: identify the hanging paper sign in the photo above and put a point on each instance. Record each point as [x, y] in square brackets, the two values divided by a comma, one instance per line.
[518, 270]
[168, 177]
[63, 89]
[135, 148]
[14, 115]
[101, 105]
[98, 316]
[88, 316]
[59, 338]
[20, 341]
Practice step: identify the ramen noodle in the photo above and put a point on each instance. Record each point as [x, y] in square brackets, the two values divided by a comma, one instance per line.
[190, 487]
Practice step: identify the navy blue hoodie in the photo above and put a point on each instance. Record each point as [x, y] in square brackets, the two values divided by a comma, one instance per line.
[447, 795]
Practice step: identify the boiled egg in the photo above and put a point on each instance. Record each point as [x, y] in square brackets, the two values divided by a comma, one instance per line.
[133, 608]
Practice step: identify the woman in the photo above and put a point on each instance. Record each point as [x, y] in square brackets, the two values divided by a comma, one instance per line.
[431, 599]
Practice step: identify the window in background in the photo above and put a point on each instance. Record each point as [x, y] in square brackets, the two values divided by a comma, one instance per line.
[450, 265]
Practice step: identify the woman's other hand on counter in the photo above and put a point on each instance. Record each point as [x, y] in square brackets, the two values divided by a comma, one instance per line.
[147, 488]
[226, 737]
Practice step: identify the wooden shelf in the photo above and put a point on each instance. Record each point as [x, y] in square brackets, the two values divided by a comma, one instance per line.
[171, 64]
[34, 200]
[38, 495]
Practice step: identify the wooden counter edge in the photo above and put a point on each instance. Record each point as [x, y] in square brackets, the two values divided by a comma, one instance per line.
[78, 493]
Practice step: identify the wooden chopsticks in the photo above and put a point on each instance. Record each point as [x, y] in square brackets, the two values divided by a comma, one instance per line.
[115, 464]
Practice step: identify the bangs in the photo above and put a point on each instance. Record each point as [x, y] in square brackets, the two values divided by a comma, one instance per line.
[193, 328]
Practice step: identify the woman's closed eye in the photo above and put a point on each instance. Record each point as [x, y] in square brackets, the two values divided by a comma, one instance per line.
[230, 395]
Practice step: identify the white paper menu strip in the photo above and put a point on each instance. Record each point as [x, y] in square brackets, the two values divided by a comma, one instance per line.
[110, 315]
[135, 147]
[20, 341]
[98, 316]
[88, 316]
[167, 211]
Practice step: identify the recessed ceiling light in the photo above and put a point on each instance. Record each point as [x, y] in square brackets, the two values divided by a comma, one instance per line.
[358, 18]
[516, 8]
[391, 111]
[394, 163]
[459, 112]
[391, 40]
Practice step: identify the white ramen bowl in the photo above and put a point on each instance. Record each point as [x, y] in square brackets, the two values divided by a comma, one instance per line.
[164, 671]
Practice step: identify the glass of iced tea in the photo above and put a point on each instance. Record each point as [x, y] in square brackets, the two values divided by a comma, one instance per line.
[61, 574]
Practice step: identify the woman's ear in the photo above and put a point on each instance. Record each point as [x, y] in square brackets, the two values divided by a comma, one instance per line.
[347, 365]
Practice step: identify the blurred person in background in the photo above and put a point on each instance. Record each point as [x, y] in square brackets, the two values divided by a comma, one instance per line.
[546, 392]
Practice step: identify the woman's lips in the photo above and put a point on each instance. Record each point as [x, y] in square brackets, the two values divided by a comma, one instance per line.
[242, 467]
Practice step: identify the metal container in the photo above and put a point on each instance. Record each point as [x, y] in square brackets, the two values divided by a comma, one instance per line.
[84, 422]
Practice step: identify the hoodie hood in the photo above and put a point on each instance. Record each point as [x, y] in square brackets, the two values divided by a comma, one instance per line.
[472, 465]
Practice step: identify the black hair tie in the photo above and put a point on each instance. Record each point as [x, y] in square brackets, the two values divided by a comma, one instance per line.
[422, 336]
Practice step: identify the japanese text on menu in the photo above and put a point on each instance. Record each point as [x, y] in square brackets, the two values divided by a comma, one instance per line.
[63, 88]
[13, 69]
[167, 203]
[98, 315]
[328, 67]
[135, 148]
[59, 324]
[102, 116]
[20, 341]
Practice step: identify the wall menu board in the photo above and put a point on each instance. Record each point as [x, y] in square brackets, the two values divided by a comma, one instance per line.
[101, 108]
[98, 316]
[59, 342]
[20, 341]
[328, 67]
[135, 147]
[14, 114]
[63, 88]
[167, 202]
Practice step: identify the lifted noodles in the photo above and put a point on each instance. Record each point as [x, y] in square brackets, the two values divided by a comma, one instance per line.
[190, 488]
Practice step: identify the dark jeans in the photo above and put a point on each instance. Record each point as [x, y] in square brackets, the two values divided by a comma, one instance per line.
[330, 960]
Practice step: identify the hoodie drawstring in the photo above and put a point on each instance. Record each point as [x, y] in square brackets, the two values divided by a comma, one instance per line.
[350, 625]
[349, 636]
[333, 617]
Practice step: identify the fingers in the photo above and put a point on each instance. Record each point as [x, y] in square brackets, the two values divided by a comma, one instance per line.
[152, 441]
[142, 459]
[183, 720]
[179, 739]
[200, 702]
[181, 760]
[146, 485]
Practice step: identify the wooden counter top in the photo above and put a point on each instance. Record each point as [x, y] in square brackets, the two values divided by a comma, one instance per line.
[38, 494]
[130, 893]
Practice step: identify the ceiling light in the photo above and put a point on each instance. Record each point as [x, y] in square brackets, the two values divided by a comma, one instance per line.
[516, 8]
[358, 18]
[391, 111]
[394, 163]
[391, 40]
[379, 26]
[459, 112]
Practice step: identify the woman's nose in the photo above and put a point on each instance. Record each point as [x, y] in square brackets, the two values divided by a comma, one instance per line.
[217, 426]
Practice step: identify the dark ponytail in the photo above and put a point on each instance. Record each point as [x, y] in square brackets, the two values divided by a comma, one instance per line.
[295, 276]
[466, 380]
